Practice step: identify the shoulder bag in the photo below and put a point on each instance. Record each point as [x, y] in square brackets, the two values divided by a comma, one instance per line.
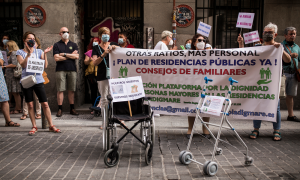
[18, 71]
[296, 70]
[107, 68]
[29, 81]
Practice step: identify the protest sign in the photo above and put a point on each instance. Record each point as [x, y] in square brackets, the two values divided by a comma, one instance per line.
[245, 20]
[174, 79]
[35, 65]
[204, 29]
[251, 37]
[126, 89]
[212, 105]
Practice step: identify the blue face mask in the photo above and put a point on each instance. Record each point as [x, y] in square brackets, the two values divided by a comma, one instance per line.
[188, 46]
[105, 37]
[95, 43]
[5, 41]
[120, 41]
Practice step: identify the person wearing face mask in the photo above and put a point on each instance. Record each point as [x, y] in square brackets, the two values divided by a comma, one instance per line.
[198, 43]
[166, 37]
[188, 44]
[291, 83]
[269, 35]
[100, 58]
[91, 70]
[3, 45]
[23, 56]
[123, 41]
[65, 53]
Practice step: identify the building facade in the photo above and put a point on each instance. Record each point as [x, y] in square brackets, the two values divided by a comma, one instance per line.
[138, 18]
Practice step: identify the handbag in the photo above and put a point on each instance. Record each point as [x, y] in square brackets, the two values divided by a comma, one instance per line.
[18, 71]
[46, 79]
[296, 70]
[107, 68]
[28, 81]
[282, 93]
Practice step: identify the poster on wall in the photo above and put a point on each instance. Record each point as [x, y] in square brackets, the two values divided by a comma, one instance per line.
[34, 16]
[184, 15]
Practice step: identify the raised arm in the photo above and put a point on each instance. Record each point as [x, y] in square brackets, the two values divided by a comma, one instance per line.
[44, 56]
[240, 40]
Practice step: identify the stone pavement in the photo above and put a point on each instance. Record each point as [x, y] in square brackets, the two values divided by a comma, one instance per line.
[77, 152]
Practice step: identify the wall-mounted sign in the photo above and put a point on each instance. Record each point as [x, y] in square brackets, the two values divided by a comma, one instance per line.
[35, 16]
[184, 15]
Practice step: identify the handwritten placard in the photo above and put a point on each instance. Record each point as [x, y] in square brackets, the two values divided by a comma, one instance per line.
[204, 29]
[35, 65]
[245, 20]
[251, 37]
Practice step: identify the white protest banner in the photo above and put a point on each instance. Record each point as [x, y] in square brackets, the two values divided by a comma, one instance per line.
[126, 89]
[204, 29]
[35, 65]
[251, 37]
[245, 20]
[212, 105]
[174, 79]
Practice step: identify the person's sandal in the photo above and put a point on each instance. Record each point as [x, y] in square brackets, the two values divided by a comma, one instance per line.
[24, 116]
[51, 129]
[12, 124]
[31, 133]
[38, 116]
[277, 134]
[255, 135]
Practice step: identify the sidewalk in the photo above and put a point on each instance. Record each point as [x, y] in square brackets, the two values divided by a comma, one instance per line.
[77, 152]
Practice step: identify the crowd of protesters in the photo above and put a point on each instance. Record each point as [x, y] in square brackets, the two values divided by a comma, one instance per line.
[66, 53]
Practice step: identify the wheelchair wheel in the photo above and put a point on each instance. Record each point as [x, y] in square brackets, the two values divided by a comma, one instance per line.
[148, 153]
[152, 129]
[142, 132]
[110, 159]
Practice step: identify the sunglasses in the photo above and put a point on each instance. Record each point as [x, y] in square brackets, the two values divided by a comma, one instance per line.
[65, 32]
[200, 40]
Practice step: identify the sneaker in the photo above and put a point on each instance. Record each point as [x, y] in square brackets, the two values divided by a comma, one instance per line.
[293, 118]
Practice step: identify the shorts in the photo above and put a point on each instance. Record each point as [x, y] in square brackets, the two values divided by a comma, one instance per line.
[291, 84]
[66, 80]
[39, 91]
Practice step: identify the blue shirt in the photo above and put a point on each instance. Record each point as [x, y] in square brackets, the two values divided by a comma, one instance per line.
[294, 49]
[37, 54]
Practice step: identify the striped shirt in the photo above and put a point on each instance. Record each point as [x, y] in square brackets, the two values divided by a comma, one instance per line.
[36, 54]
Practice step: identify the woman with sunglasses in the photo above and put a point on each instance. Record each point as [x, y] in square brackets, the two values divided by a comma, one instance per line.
[22, 56]
[198, 43]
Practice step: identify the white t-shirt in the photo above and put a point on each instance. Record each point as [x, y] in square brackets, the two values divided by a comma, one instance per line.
[161, 46]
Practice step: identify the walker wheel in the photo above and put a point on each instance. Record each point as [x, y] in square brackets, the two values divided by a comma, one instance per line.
[110, 158]
[210, 168]
[180, 156]
[219, 151]
[148, 153]
[186, 158]
[249, 161]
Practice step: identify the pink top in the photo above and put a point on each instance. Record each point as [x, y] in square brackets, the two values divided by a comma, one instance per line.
[89, 53]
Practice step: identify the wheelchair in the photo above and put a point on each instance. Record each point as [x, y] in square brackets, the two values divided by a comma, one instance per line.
[114, 113]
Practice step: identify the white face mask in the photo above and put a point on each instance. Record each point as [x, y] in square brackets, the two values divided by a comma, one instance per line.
[171, 42]
[65, 36]
[200, 45]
